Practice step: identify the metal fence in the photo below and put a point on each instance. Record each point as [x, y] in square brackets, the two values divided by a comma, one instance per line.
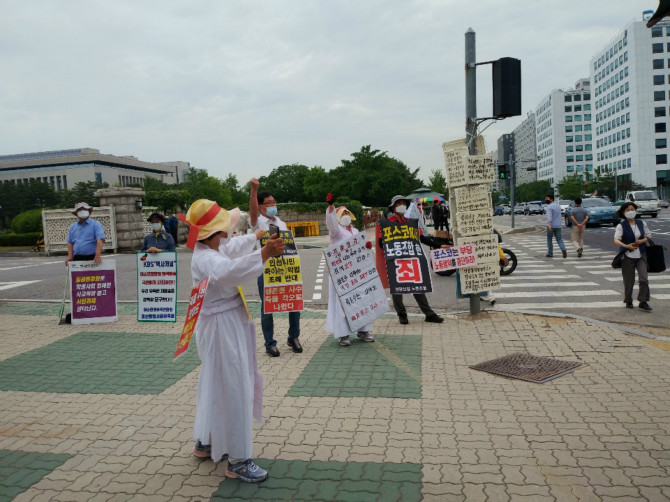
[56, 226]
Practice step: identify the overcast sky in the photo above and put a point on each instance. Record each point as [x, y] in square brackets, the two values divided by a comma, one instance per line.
[246, 86]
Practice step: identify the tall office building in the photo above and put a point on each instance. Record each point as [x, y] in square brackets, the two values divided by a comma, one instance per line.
[525, 150]
[563, 133]
[505, 151]
[631, 90]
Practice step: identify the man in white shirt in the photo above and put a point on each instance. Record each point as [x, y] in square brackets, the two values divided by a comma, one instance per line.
[267, 205]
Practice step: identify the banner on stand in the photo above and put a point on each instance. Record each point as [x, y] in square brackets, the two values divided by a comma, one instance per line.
[157, 287]
[93, 292]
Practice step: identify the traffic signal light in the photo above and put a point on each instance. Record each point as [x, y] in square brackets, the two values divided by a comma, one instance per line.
[503, 172]
[507, 87]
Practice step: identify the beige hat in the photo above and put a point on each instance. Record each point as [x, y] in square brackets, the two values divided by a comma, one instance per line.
[205, 218]
[340, 211]
[81, 205]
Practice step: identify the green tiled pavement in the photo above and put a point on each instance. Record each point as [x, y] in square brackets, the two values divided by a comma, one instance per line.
[19, 470]
[298, 480]
[389, 367]
[100, 363]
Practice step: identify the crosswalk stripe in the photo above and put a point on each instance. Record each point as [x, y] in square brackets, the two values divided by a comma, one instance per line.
[521, 276]
[561, 305]
[544, 284]
[536, 294]
[16, 284]
[593, 266]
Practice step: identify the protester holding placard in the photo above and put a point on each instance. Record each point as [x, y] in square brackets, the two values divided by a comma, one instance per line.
[399, 206]
[86, 236]
[230, 387]
[340, 228]
[267, 205]
[158, 240]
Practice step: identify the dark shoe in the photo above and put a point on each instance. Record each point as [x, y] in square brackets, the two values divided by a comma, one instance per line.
[434, 318]
[202, 450]
[403, 319]
[579, 253]
[272, 351]
[565, 253]
[68, 318]
[629, 305]
[294, 343]
[549, 255]
[645, 306]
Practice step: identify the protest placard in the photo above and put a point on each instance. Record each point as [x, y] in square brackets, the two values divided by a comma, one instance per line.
[194, 306]
[157, 286]
[482, 277]
[474, 222]
[474, 198]
[486, 247]
[356, 280]
[406, 264]
[282, 277]
[453, 258]
[93, 291]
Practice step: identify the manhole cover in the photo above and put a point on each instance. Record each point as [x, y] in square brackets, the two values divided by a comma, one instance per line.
[527, 367]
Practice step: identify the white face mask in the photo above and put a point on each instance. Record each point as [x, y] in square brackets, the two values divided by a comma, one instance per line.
[156, 226]
[83, 214]
[400, 209]
[630, 214]
[345, 221]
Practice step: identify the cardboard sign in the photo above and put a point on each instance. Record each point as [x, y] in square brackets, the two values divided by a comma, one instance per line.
[157, 286]
[356, 280]
[194, 306]
[468, 169]
[474, 198]
[282, 278]
[93, 292]
[482, 277]
[406, 264]
[486, 247]
[474, 222]
[453, 258]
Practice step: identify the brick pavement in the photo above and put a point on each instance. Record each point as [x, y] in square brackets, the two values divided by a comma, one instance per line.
[101, 413]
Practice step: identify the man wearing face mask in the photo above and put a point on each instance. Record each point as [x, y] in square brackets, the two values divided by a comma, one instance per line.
[554, 223]
[86, 236]
[398, 207]
[158, 240]
[267, 205]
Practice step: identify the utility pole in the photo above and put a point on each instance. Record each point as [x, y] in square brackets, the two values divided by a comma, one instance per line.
[512, 170]
[471, 116]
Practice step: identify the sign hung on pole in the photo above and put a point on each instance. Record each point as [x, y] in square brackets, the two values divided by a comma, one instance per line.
[457, 257]
[282, 277]
[157, 286]
[359, 289]
[406, 264]
[93, 292]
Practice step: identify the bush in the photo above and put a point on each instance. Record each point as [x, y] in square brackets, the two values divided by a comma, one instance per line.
[28, 221]
[27, 239]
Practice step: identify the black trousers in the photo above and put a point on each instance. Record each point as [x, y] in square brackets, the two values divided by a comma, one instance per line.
[421, 300]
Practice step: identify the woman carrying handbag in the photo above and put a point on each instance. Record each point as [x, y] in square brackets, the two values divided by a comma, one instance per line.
[631, 236]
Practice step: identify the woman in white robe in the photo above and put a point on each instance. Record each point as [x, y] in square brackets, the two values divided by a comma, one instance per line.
[229, 393]
[340, 228]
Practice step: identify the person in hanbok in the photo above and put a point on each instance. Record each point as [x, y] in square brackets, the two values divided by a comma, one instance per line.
[229, 394]
[340, 228]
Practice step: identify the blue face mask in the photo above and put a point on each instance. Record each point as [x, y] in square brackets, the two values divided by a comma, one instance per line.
[271, 211]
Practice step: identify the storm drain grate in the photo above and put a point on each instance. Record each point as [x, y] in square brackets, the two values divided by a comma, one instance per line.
[527, 367]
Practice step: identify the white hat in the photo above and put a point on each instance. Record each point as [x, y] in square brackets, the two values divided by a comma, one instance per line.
[81, 205]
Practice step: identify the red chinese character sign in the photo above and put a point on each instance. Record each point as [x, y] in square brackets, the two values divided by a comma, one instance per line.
[453, 258]
[406, 263]
[157, 287]
[93, 292]
[282, 277]
[194, 306]
[354, 275]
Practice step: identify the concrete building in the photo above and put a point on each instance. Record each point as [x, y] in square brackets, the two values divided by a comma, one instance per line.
[564, 135]
[631, 90]
[505, 150]
[525, 150]
[63, 168]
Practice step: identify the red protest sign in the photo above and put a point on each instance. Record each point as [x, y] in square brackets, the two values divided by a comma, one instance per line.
[197, 297]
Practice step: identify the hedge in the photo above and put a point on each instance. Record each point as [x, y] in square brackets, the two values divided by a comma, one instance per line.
[28, 221]
[29, 239]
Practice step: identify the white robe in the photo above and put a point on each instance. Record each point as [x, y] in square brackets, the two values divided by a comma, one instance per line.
[336, 321]
[230, 387]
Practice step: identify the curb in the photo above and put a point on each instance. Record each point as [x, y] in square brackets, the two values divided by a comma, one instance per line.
[513, 231]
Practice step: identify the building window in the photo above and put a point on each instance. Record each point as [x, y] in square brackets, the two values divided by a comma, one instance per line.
[568, 139]
[568, 98]
[656, 31]
[65, 182]
[579, 148]
[571, 158]
[578, 97]
[658, 64]
[578, 128]
[588, 147]
[659, 79]
[587, 97]
[661, 143]
[656, 48]
[662, 159]
[568, 108]
[568, 128]
[569, 148]
[568, 118]
[578, 137]
[659, 127]
[659, 95]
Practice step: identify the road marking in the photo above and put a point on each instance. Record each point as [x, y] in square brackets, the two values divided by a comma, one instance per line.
[17, 284]
[535, 294]
[521, 277]
[562, 305]
[542, 271]
[618, 279]
[319, 280]
[544, 284]
[316, 296]
[594, 266]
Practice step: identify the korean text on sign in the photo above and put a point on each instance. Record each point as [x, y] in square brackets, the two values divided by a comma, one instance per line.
[452, 258]
[93, 292]
[282, 278]
[194, 306]
[157, 286]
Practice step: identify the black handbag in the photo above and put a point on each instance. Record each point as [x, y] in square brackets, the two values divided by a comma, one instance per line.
[618, 259]
[655, 257]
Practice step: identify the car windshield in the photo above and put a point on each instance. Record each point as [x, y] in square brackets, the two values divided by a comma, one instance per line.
[534, 206]
[645, 196]
[595, 203]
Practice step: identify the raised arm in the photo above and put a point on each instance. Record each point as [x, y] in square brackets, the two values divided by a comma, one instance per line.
[253, 202]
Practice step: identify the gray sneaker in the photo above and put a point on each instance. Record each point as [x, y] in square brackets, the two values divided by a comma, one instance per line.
[344, 341]
[365, 336]
[247, 471]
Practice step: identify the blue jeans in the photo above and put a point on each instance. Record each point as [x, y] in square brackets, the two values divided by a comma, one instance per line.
[554, 232]
[267, 322]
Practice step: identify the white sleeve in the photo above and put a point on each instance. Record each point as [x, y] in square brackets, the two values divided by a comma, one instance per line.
[618, 232]
[333, 226]
[239, 246]
[647, 232]
[231, 272]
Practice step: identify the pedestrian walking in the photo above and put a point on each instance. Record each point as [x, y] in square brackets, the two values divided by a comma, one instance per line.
[445, 215]
[554, 223]
[158, 240]
[580, 218]
[340, 228]
[267, 205]
[398, 207]
[632, 235]
[436, 214]
[229, 393]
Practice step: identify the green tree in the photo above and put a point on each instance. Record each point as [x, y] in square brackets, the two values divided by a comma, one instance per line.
[285, 183]
[534, 190]
[317, 184]
[81, 192]
[200, 185]
[571, 187]
[437, 182]
[172, 200]
[15, 199]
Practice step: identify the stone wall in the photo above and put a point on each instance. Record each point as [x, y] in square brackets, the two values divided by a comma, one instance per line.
[129, 224]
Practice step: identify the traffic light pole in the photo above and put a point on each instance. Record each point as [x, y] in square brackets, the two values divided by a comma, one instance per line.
[512, 170]
[471, 116]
